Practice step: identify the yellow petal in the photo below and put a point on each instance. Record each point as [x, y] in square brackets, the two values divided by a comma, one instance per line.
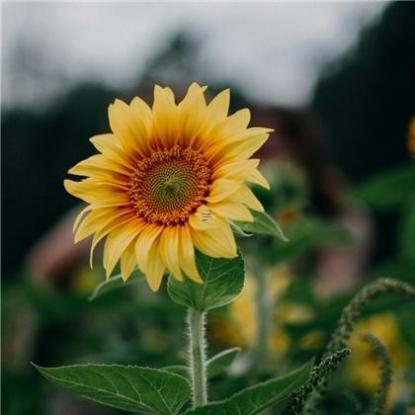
[220, 189]
[234, 124]
[116, 243]
[187, 255]
[246, 144]
[232, 208]
[110, 147]
[169, 250]
[203, 219]
[142, 111]
[241, 170]
[257, 178]
[155, 268]
[97, 163]
[97, 219]
[106, 142]
[236, 170]
[218, 108]
[144, 243]
[96, 194]
[79, 217]
[165, 117]
[192, 114]
[238, 147]
[247, 197]
[105, 230]
[128, 128]
[217, 243]
[148, 256]
[127, 262]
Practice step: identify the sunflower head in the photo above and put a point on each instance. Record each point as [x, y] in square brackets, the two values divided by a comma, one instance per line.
[166, 181]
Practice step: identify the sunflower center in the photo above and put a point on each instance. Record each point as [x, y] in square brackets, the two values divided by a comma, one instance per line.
[170, 185]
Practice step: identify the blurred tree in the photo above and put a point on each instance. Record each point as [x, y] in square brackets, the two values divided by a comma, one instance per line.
[175, 63]
[365, 101]
[367, 97]
[37, 150]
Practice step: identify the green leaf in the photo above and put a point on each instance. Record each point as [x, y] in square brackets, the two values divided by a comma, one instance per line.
[181, 370]
[215, 365]
[263, 224]
[238, 231]
[223, 281]
[389, 190]
[220, 362]
[256, 398]
[114, 283]
[131, 388]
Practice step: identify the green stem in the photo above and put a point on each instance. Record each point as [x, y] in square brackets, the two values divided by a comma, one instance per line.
[197, 356]
[262, 316]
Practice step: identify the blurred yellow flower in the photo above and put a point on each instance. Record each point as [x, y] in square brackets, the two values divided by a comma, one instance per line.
[363, 367]
[294, 313]
[411, 136]
[313, 340]
[84, 280]
[242, 313]
[239, 326]
[168, 179]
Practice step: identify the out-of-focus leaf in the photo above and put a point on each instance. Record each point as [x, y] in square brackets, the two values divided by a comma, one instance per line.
[131, 388]
[407, 234]
[114, 283]
[256, 398]
[310, 233]
[223, 281]
[389, 190]
[263, 224]
[220, 362]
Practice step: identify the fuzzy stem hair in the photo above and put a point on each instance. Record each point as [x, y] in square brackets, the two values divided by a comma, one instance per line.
[197, 356]
[346, 324]
[382, 355]
[322, 370]
[353, 311]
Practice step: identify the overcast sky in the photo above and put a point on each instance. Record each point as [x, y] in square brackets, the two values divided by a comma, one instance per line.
[273, 51]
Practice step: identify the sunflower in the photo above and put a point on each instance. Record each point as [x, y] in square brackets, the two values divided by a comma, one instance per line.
[167, 181]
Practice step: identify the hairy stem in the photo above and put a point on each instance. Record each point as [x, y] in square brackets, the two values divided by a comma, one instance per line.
[324, 368]
[382, 356]
[353, 311]
[347, 322]
[197, 356]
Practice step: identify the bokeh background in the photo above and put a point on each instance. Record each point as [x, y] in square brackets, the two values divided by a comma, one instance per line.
[335, 80]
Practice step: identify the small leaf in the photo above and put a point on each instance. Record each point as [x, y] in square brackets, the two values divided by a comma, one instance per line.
[220, 362]
[114, 283]
[256, 398]
[223, 281]
[263, 224]
[215, 365]
[131, 388]
[238, 231]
